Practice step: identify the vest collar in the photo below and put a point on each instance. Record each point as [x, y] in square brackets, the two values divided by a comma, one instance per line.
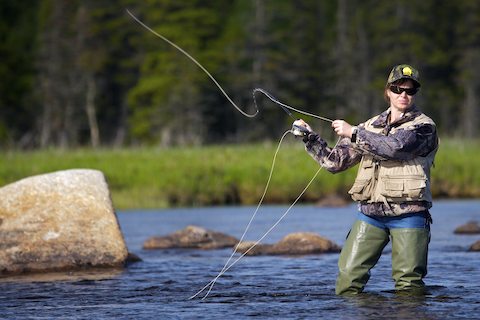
[409, 115]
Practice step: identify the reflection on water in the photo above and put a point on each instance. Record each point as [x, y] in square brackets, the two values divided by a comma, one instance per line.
[263, 287]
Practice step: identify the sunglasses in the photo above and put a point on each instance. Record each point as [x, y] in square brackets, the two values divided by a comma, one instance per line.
[399, 90]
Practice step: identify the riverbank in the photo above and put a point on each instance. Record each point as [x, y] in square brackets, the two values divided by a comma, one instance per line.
[214, 175]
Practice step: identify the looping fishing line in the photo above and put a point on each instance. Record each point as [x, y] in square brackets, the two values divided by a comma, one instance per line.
[267, 94]
[286, 108]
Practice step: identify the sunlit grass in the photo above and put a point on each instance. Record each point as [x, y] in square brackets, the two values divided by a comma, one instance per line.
[457, 169]
[157, 178]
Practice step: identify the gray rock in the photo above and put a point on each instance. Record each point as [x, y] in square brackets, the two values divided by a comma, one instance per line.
[299, 243]
[191, 237]
[471, 227]
[475, 246]
[257, 250]
[59, 221]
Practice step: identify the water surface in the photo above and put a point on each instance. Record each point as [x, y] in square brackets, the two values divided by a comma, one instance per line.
[260, 287]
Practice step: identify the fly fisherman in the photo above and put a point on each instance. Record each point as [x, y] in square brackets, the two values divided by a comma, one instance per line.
[395, 150]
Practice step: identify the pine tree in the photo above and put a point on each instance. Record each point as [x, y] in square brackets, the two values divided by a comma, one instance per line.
[18, 108]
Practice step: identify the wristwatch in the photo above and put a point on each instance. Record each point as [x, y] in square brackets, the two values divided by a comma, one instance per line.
[353, 139]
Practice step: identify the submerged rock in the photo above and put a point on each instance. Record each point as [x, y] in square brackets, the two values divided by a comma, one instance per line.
[299, 243]
[471, 227]
[132, 258]
[333, 200]
[59, 221]
[191, 237]
[259, 249]
[475, 246]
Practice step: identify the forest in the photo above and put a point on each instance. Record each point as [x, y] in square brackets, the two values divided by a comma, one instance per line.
[83, 73]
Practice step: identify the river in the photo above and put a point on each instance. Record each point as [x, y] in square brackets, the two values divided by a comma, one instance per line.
[258, 287]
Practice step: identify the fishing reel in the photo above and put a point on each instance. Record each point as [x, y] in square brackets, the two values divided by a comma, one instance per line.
[299, 131]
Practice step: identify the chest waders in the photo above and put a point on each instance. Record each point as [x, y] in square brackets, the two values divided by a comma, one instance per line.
[363, 248]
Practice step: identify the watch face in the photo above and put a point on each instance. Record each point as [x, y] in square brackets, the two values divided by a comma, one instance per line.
[354, 134]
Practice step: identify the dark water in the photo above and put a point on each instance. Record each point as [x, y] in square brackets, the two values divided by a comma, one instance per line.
[257, 287]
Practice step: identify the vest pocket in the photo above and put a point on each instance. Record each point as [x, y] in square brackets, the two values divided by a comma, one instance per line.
[407, 187]
[361, 189]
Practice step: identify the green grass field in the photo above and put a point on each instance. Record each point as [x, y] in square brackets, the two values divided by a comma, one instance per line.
[159, 178]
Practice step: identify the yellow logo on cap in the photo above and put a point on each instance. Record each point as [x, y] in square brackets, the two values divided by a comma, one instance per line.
[407, 71]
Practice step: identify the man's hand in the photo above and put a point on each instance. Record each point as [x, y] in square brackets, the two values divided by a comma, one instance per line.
[342, 128]
[301, 128]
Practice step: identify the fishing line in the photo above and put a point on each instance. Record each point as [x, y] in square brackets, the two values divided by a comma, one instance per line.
[284, 106]
[287, 109]
[227, 267]
[224, 269]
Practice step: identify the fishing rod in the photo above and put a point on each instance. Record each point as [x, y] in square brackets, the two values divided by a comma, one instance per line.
[296, 129]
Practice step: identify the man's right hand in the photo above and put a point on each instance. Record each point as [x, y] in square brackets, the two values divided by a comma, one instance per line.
[301, 128]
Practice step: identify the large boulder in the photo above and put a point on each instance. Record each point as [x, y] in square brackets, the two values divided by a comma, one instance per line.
[299, 243]
[471, 227]
[191, 237]
[59, 221]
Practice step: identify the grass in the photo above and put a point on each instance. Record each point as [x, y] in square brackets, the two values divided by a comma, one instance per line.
[457, 169]
[159, 178]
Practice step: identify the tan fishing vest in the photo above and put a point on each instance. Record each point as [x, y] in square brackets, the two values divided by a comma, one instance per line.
[394, 181]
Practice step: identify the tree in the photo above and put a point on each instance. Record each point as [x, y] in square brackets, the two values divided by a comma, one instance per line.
[160, 111]
[468, 64]
[18, 109]
[61, 78]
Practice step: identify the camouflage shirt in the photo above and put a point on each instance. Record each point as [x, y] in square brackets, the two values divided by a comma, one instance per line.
[404, 144]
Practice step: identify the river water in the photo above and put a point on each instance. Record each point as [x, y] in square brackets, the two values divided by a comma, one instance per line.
[258, 287]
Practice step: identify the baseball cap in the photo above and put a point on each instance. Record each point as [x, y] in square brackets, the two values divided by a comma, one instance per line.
[404, 71]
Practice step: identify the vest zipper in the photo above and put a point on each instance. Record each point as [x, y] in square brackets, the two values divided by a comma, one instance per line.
[376, 172]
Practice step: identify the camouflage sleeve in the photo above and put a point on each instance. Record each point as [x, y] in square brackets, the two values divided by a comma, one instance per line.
[404, 144]
[337, 159]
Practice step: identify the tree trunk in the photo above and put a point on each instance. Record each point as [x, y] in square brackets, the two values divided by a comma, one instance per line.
[121, 130]
[259, 42]
[91, 112]
[342, 58]
[471, 86]
[362, 97]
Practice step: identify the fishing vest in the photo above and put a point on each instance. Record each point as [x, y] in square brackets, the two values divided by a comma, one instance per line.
[394, 181]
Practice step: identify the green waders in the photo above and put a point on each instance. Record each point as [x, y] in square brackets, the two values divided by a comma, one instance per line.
[409, 257]
[363, 248]
[361, 251]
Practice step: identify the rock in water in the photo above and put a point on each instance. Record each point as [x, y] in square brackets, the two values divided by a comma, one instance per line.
[475, 246]
[250, 249]
[334, 200]
[471, 227]
[298, 243]
[191, 237]
[59, 221]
